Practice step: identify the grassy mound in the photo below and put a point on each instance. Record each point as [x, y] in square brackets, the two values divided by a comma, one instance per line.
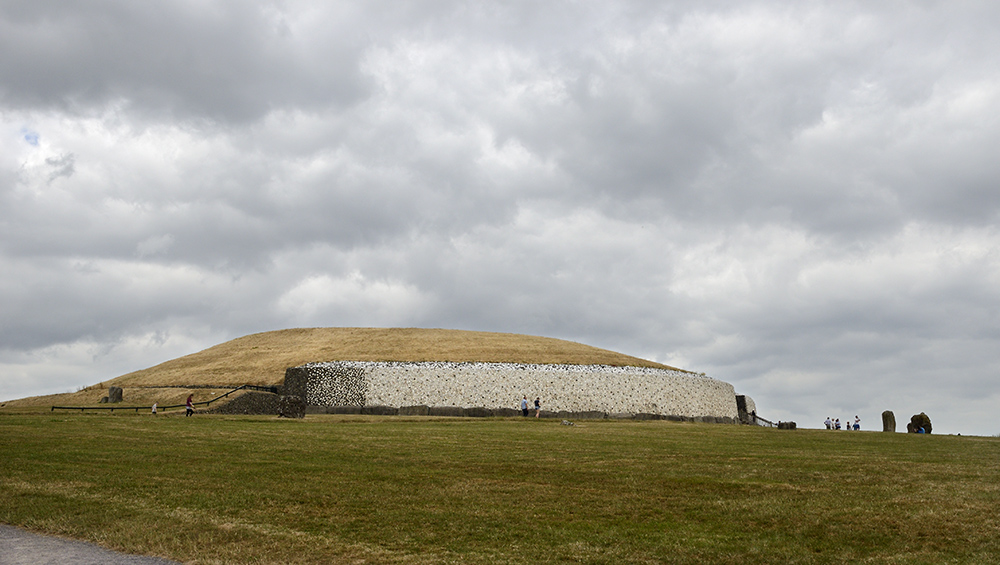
[261, 359]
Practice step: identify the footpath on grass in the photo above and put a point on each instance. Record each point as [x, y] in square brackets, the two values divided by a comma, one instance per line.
[21, 547]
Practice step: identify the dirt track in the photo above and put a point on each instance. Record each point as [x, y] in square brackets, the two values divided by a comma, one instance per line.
[21, 547]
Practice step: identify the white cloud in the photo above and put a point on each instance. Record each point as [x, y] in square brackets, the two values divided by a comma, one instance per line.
[350, 301]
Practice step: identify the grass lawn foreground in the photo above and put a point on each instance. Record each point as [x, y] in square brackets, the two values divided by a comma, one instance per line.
[352, 489]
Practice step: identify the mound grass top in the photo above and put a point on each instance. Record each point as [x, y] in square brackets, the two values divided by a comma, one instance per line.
[261, 359]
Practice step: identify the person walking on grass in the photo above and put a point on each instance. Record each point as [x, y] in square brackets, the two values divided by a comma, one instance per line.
[189, 407]
[154, 409]
[524, 406]
[538, 406]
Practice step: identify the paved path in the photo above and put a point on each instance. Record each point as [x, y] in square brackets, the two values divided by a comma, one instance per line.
[21, 547]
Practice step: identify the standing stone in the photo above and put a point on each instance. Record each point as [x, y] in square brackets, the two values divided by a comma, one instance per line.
[918, 421]
[115, 394]
[291, 407]
[888, 421]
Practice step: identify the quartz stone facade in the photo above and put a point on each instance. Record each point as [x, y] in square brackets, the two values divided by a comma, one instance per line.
[571, 388]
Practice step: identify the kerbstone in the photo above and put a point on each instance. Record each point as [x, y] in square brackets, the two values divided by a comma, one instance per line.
[291, 407]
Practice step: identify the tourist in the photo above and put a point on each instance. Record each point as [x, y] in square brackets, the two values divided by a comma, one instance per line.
[154, 409]
[190, 405]
[857, 423]
[524, 406]
[538, 406]
[836, 424]
[829, 423]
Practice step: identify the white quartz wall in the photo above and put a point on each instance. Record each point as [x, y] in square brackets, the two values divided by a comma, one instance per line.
[502, 385]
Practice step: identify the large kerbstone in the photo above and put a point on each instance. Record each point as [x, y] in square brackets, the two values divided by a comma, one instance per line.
[418, 410]
[291, 407]
[345, 410]
[589, 415]
[451, 411]
[115, 394]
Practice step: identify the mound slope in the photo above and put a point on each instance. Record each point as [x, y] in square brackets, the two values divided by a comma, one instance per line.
[261, 359]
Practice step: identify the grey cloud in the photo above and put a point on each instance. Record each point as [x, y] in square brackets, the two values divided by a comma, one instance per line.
[62, 166]
[796, 199]
[224, 61]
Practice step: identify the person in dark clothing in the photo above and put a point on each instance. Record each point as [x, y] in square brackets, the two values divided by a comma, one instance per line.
[189, 407]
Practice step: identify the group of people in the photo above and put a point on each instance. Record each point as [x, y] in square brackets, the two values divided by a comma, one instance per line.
[524, 406]
[835, 424]
[188, 406]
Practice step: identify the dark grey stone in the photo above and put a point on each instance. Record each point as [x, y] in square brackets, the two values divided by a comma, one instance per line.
[296, 379]
[345, 410]
[918, 421]
[418, 410]
[291, 407]
[888, 421]
[379, 410]
[589, 415]
[450, 411]
[786, 425]
[505, 412]
[478, 412]
[115, 394]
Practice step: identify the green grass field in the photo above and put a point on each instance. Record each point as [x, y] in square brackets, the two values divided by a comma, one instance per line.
[329, 489]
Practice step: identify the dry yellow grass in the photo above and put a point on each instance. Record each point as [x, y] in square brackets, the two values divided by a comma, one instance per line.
[261, 359]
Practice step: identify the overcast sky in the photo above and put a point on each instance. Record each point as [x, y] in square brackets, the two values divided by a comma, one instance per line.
[800, 199]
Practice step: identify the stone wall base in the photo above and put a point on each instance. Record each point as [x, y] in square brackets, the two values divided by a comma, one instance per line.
[481, 412]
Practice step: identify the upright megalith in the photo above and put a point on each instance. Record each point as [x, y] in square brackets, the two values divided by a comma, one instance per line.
[888, 421]
[919, 422]
[115, 394]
